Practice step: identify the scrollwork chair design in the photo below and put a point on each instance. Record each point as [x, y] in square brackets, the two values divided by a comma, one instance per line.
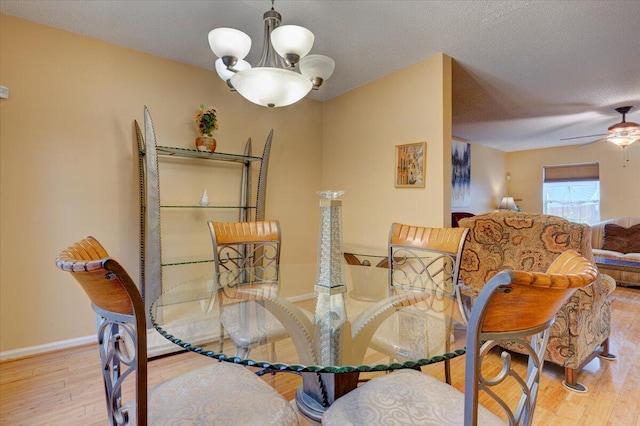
[243, 253]
[122, 342]
[531, 242]
[422, 258]
[513, 306]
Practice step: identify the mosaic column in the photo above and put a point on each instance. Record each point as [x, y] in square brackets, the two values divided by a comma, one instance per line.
[330, 317]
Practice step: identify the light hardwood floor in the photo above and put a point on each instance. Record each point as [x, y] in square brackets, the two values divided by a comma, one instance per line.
[65, 387]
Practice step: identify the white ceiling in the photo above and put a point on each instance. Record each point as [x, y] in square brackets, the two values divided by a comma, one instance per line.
[526, 73]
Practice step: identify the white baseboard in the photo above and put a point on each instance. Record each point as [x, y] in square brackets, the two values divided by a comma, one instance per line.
[49, 347]
[156, 345]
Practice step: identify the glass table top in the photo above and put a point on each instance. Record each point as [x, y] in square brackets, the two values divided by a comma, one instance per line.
[276, 319]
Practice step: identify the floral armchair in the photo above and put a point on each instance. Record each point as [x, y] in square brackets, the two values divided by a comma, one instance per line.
[530, 242]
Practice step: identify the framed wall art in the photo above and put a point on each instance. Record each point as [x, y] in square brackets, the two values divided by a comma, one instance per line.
[411, 165]
[460, 174]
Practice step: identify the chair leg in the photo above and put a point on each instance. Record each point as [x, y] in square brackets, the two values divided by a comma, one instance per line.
[447, 371]
[604, 353]
[242, 352]
[571, 380]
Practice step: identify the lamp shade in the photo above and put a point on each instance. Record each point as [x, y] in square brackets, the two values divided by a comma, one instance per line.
[229, 42]
[507, 203]
[292, 39]
[314, 66]
[225, 74]
[271, 87]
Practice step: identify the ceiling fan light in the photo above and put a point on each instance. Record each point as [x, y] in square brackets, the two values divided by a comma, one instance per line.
[229, 42]
[622, 140]
[292, 40]
[271, 87]
[624, 126]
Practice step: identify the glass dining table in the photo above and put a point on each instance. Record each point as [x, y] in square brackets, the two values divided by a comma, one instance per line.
[328, 336]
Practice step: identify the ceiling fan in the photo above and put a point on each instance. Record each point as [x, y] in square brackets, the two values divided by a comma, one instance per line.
[622, 134]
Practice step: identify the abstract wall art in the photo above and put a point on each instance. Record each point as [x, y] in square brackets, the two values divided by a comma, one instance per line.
[460, 174]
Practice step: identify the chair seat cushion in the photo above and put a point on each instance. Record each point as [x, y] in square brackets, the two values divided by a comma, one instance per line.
[222, 394]
[404, 397]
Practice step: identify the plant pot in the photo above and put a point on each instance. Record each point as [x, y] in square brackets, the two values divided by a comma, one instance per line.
[206, 143]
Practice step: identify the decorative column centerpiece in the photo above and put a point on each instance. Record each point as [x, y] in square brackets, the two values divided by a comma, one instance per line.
[331, 318]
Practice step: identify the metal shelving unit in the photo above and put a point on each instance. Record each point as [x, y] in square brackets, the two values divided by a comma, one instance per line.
[151, 261]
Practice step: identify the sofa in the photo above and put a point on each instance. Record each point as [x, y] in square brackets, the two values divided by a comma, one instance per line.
[530, 242]
[616, 248]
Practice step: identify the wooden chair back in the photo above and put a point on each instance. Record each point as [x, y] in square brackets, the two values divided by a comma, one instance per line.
[120, 324]
[244, 245]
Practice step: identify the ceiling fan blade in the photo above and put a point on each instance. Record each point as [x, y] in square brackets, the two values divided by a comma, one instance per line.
[592, 142]
[581, 137]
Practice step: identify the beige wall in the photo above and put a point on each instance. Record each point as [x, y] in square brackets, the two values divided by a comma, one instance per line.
[68, 165]
[360, 131]
[619, 188]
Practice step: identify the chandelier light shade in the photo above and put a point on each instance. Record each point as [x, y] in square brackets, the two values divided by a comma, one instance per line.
[225, 74]
[292, 42]
[317, 68]
[284, 74]
[229, 42]
[271, 87]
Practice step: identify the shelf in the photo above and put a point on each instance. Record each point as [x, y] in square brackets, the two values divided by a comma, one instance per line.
[187, 260]
[152, 262]
[207, 207]
[192, 153]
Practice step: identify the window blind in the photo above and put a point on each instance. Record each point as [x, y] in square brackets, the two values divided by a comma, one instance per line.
[571, 172]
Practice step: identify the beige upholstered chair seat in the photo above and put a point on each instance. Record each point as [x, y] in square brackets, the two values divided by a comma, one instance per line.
[399, 398]
[218, 395]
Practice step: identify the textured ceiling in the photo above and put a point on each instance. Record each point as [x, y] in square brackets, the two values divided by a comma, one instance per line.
[526, 73]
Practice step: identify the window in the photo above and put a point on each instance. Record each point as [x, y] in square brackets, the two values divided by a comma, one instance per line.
[572, 191]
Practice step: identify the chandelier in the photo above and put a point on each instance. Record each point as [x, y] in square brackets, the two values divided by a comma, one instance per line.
[285, 73]
[626, 132]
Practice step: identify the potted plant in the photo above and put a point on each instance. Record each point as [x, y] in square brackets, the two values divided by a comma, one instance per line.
[206, 120]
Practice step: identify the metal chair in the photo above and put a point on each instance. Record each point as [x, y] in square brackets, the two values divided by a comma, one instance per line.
[513, 305]
[246, 253]
[422, 258]
[122, 341]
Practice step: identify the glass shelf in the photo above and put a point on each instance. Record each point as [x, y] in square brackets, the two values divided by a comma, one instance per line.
[187, 260]
[207, 207]
[193, 153]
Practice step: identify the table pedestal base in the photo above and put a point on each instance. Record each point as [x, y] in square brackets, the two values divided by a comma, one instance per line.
[320, 390]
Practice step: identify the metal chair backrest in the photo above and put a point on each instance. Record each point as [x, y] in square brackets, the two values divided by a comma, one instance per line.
[430, 253]
[518, 306]
[427, 259]
[120, 324]
[246, 246]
